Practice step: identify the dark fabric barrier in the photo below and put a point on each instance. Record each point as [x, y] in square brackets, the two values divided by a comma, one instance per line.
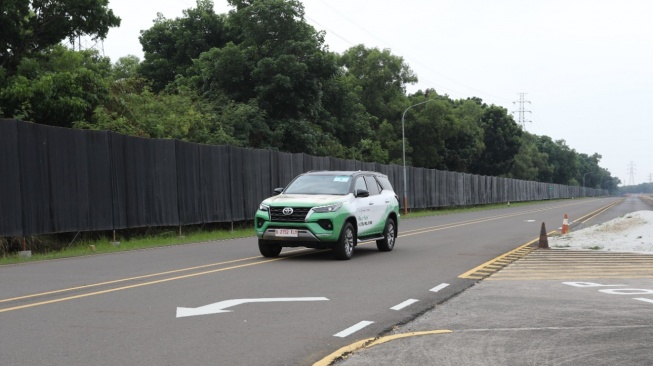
[80, 182]
[189, 188]
[257, 179]
[34, 178]
[56, 180]
[216, 183]
[11, 221]
[146, 182]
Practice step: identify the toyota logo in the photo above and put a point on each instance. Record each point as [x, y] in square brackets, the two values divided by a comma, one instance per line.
[287, 211]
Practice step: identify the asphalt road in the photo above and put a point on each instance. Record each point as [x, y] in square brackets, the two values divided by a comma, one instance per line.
[124, 308]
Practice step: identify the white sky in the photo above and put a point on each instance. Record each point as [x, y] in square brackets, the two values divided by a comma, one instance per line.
[586, 66]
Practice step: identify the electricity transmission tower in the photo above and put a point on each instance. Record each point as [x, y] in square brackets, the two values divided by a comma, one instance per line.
[631, 174]
[80, 43]
[521, 112]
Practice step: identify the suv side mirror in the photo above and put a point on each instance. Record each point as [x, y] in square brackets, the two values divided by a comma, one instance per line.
[277, 191]
[362, 193]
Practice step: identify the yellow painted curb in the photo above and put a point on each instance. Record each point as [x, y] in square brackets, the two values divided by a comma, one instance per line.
[371, 342]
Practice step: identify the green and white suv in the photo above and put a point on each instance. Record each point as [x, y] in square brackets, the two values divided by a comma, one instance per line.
[329, 209]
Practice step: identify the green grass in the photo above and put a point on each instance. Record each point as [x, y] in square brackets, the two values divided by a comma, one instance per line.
[596, 247]
[167, 238]
[104, 245]
[449, 210]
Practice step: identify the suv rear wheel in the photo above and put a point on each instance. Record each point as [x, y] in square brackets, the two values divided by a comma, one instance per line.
[344, 247]
[268, 249]
[389, 236]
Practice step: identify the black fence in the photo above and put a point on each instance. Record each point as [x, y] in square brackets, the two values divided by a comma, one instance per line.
[56, 180]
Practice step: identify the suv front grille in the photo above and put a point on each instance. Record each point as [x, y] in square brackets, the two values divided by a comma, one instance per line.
[298, 214]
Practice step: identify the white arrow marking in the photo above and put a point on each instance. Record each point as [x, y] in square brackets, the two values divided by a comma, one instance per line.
[219, 307]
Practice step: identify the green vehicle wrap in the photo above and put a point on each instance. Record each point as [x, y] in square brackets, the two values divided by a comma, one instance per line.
[329, 209]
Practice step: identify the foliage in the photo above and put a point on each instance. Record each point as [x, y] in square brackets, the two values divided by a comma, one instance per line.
[260, 76]
[171, 45]
[56, 87]
[502, 138]
[380, 79]
[561, 158]
[29, 27]
[133, 109]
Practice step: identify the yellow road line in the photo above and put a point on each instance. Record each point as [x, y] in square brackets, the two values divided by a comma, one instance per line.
[371, 342]
[144, 284]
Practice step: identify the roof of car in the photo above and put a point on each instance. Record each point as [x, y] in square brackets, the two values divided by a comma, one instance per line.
[343, 172]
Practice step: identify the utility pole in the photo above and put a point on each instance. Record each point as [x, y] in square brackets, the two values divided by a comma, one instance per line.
[631, 174]
[521, 118]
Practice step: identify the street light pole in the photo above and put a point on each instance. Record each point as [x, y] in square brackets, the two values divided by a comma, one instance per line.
[584, 182]
[403, 144]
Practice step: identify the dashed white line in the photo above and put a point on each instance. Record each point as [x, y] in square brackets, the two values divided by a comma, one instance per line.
[404, 304]
[439, 287]
[643, 299]
[353, 329]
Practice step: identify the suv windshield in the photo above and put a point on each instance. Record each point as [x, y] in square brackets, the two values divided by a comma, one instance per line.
[320, 184]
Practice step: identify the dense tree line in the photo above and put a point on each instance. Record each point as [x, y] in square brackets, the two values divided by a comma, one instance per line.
[260, 76]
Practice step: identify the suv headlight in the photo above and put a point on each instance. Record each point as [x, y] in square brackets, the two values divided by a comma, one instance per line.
[328, 208]
[263, 207]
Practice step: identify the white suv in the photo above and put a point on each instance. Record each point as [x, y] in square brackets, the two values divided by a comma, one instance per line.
[329, 209]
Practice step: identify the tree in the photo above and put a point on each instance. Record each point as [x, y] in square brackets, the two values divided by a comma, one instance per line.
[133, 109]
[126, 67]
[171, 45]
[28, 27]
[380, 78]
[531, 163]
[501, 137]
[561, 158]
[56, 87]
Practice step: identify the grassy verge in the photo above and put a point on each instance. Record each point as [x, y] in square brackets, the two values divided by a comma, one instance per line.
[104, 245]
[167, 238]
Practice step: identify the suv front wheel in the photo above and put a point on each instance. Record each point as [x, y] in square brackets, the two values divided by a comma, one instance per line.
[344, 247]
[268, 249]
[389, 236]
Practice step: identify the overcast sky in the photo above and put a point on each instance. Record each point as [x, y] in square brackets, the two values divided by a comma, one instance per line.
[585, 66]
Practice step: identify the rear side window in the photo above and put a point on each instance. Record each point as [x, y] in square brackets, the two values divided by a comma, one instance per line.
[385, 183]
[372, 185]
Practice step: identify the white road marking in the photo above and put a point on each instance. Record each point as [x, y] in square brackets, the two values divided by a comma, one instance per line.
[439, 287]
[643, 299]
[219, 307]
[353, 329]
[404, 304]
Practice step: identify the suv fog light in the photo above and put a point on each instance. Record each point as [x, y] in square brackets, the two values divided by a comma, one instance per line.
[259, 223]
[325, 224]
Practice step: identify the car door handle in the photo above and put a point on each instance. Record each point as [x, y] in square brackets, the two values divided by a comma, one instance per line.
[371, 203]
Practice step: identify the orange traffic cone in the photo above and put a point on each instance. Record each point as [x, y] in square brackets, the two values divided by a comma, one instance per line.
[565, 225]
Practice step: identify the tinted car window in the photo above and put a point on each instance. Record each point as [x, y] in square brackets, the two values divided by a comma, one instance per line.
[385, 183]
[360, 183]
[320, 184]
[372, 185]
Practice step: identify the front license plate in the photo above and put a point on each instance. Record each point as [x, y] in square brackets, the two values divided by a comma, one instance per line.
[286, 232]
